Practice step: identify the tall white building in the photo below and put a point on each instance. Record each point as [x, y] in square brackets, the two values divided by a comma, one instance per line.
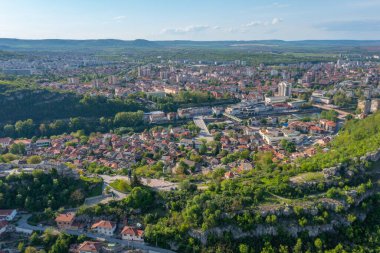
[285, 89]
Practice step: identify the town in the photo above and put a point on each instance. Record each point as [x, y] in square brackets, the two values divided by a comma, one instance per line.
[158, 126]
[288, 111]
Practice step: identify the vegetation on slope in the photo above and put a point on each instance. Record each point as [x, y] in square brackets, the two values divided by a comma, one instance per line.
[355, 139]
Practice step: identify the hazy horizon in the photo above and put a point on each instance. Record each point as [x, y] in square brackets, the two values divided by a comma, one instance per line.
[195, 20]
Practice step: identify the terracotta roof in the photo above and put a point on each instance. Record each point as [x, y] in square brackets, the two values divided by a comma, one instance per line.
[103, 224]
[132, 231]
[229, 174]
[65, 217]
[89, 246]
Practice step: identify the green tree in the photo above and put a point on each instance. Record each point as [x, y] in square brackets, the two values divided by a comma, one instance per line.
[17, 149]
[298, 247]
[243, 248]
[34, 159]
[318, 244]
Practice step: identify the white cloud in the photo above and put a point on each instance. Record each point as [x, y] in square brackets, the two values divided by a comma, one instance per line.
[280, 5]
[189, 29]
[275, 21]
[254, 23]
[119, 18]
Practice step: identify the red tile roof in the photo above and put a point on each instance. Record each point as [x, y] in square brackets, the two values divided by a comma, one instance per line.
[89, 246]
[132, 231]
[103, 224]
[65, 217]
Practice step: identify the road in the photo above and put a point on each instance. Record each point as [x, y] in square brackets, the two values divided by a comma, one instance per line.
[204, 133]
[158, 184]
[342, 114]
[232, 117]
[22, 223]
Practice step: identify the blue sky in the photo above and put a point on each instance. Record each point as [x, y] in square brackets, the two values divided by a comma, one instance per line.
[190, 19]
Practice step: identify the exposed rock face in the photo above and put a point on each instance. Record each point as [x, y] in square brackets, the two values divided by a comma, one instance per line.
[329, 173]
[371, 156]
[289, 224]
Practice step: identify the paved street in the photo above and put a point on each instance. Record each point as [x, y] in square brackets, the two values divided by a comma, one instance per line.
[22, 223]
[158, 184]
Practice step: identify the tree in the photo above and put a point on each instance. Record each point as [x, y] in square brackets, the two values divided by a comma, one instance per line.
[17, 149]
[34, 239]
[34, 159]
[77, 196]
[267, 248]
[330, 115]
[298, 246]
[283, 249]
[243, 248]
[128, 119]
[135, 182]
[30, 249]
[140, 198]
[21, 246]
[203, 149]
[9, 130]
[289, 146]
[318, 244]
[186, 185]
[76, 124]
[24, 128]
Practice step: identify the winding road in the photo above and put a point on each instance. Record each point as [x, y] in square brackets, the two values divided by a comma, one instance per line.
[23, 224]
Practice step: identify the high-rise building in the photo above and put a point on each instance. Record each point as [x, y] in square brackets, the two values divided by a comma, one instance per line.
[112, 80]
[284, 89]
[163, 75]
[368, 93]
[364, 106]
[143, 71]
[73, 80]
[375, 105]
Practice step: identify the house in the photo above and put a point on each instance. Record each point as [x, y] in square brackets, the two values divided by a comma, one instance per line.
[3, 226]
[132, 234]
[90, 247]
[7, 214]
[245, 166]
[43, 143]
[65, 220]
[315, 130]
[229, 175]
[26, 142]
[104, 227]
[328, 125]
[5, 142]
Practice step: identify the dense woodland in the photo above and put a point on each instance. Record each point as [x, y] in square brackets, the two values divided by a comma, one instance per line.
[27, 101]
[37, 191]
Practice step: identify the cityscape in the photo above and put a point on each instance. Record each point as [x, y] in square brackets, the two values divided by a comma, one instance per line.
[114, 138]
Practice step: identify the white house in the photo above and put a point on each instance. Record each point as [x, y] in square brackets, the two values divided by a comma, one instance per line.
[7, 214]
[5, 142]
[132, 234]
[104, 227]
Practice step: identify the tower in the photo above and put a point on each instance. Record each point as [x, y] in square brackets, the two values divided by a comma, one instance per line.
[285, 89]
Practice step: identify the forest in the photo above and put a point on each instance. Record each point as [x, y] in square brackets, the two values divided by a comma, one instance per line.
[39, 190]
[27, 101]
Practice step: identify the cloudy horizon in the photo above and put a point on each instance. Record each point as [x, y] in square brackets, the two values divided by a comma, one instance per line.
[190, 19]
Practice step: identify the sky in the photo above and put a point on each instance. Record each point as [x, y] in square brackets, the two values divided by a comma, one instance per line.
[202, 20]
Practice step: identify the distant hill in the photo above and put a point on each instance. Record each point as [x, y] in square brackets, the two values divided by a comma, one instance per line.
[265, 45]
[57, 44]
